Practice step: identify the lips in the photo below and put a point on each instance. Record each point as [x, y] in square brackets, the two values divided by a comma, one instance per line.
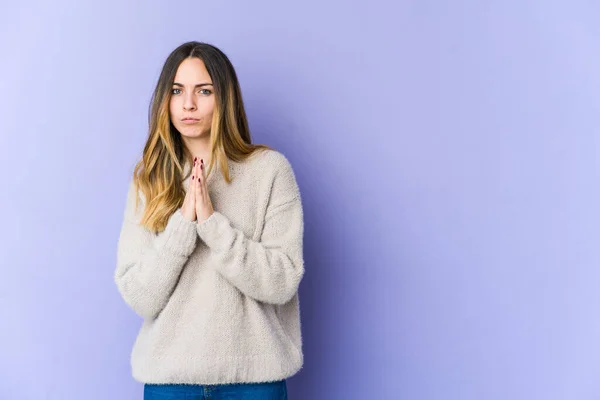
[190, 120]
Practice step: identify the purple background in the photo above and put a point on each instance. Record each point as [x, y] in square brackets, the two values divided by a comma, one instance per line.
[447, 153]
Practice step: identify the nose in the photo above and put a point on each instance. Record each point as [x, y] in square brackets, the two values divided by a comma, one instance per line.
[188, 104]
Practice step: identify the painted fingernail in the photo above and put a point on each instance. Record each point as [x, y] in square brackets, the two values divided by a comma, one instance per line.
[202, 160]
[195, 158]
[201, 166]
[192, 176]
[198, 179]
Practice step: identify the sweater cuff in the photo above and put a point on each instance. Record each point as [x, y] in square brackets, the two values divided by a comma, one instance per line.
[180, 234]
[213, 230]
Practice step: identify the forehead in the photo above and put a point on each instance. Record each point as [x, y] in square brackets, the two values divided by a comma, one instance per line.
[192, 71]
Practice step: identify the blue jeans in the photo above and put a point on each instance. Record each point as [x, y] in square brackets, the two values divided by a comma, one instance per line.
[239, 391]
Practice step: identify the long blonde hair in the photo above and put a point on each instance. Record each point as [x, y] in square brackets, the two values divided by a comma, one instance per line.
[159, 172]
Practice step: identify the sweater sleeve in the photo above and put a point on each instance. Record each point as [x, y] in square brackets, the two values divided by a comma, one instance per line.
[268, 270]
[149, 264]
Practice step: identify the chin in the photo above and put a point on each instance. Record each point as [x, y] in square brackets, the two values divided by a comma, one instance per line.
[193, 133]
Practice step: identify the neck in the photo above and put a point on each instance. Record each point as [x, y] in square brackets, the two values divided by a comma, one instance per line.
[198, 147]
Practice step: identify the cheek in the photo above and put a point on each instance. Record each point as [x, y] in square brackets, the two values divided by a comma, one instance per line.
[173, 109]
[207, 111]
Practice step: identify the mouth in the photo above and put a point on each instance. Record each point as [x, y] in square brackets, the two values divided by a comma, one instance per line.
[190, 120]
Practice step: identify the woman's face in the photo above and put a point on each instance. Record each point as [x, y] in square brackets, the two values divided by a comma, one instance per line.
[192, 99]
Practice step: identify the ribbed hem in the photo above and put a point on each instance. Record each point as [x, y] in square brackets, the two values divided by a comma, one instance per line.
[216, 370]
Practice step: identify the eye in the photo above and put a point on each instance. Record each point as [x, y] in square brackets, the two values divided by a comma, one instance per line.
[205, 91]
[173, 90]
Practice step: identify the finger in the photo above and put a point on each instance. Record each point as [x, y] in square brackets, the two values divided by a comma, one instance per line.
[198, 183]
[193, 172]
[194, 176]
[191, 190]
[203, 175]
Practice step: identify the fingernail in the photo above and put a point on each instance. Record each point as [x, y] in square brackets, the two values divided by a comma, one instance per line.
[192, 176]
[201, 166]
[195, 158]
[198, 179]
[202, 160]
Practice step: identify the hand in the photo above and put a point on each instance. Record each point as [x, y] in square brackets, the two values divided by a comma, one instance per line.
[188, 209]
[204, 208]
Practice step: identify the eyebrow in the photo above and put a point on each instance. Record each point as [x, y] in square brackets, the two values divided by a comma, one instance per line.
[197, 86]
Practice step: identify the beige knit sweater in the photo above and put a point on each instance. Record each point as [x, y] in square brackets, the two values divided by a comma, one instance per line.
[219, 299]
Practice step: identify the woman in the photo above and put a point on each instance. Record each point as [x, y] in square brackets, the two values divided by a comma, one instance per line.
[211, 258]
